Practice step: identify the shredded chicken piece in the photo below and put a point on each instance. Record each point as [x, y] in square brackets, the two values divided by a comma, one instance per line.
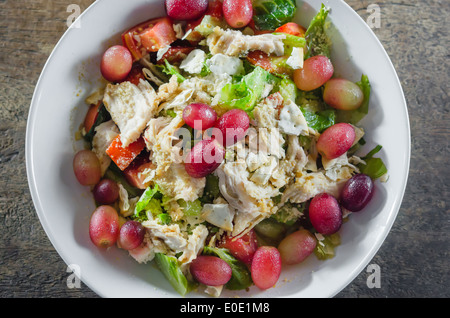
[105, 133]
[252, 202]
[131, 107]
[177, 184]
[307, 185]
[234, 43]
[170, 234]
[195, 244]
[159, 137]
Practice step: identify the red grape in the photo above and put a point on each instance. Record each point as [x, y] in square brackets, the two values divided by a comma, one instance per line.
[116, 63]
[199, 116]
[210, 270]
[104, 226]
[243, 247]
[131, 235]
[296, 247]
[266, 267]
[336, 140]
[325, 214]
[237, 13]
[186, 9]
[357, 192]
[106, 191]
[86, 167]
[205, 157]
[231, 127]
[316, 71]
[342, 94]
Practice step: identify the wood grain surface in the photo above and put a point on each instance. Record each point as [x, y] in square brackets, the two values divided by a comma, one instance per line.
[414, 259]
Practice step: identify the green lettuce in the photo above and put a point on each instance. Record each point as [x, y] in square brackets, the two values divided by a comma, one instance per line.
[373, 167]
[247, 91]
[271, 14]
[287, 88]
[292, 41]
[289, 213]
[170, 267]
[191, 208]
[145, 199]
[325, 249]
[164, 218]
[240, 277]
[317, 41]
[211, 190]
[320, 120]
[169, 69]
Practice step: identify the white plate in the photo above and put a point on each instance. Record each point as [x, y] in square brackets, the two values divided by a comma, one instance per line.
[64, 207]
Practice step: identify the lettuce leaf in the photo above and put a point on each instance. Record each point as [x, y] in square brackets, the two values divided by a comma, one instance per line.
[191, 208]
[374, 167]
[245, 93]
[292, 41]
[169, 266]
[320, 120]
[325, 249]
[240, 277]
[317, 41]
[271, 14]
[145, 199]
[172, 70]
[286, 87]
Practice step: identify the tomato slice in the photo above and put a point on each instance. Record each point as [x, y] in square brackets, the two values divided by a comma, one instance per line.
[175, 55]
[272, 64]
[214, 9]
[153, 35]
[243, 248]
[124, 156]
[133, 173]
[292, 28]
[91, 116]
[135, 75]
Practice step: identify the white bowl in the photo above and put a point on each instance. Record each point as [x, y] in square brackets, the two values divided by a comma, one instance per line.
[64, 207]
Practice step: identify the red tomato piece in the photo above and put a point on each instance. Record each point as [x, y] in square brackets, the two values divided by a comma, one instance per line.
[243, 248]
[214, 9]
[175, 55]
[135, 75]
[123, 156]
[293, 29]
[91, 116]
[133, 173]
[267, 62]
[161, 35]
[154, 34]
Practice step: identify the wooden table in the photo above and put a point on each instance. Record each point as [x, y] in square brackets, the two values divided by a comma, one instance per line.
[414, 259]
